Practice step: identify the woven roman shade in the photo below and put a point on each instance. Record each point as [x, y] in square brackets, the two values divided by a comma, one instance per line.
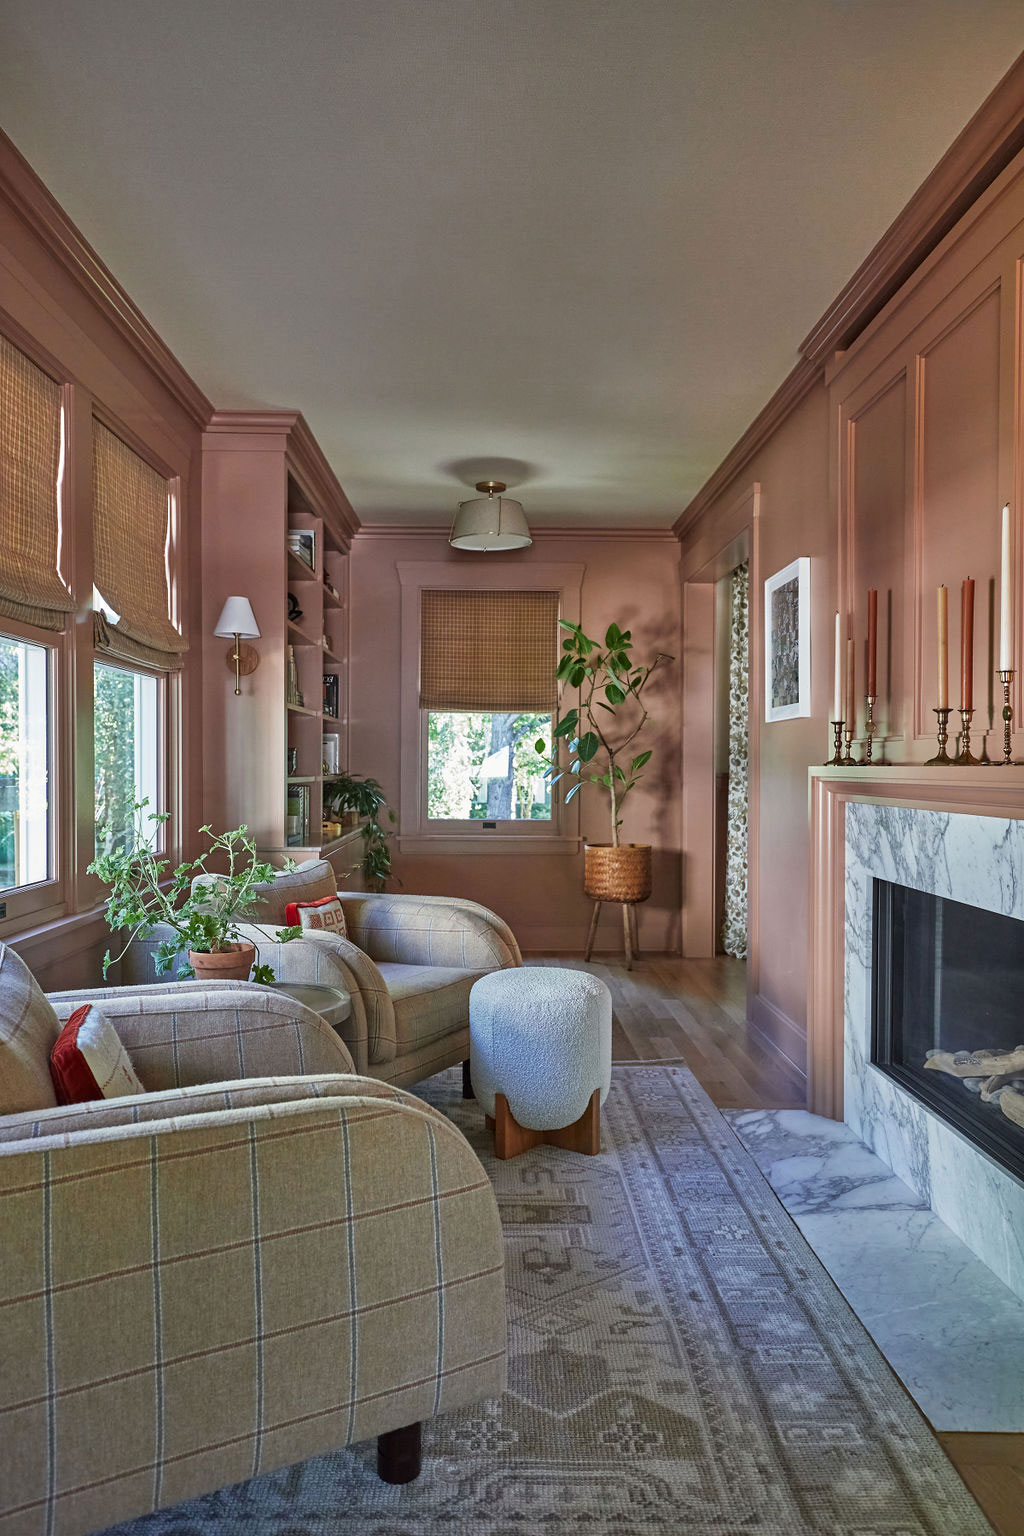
[494, 651]
[30, 588]
[131, 510]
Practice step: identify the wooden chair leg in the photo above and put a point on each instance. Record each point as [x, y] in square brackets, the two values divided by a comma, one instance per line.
[627, 936]
[399, 1455]
[467, 1082]
[592, 935]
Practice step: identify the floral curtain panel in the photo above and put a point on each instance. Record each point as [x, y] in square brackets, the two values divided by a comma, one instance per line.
[734, 922]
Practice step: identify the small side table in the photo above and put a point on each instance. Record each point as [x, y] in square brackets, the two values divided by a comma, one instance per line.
[332, 1004]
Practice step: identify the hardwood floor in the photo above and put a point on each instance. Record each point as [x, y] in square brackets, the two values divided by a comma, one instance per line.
[670, 1009]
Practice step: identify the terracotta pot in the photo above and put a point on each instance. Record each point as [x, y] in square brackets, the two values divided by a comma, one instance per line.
[232, 964]
[617, 874]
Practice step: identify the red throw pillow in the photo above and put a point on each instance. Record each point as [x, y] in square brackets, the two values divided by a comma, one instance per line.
[88, 1060]
[326, 915]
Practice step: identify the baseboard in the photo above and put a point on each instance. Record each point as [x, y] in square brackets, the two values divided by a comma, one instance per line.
[780, 1032]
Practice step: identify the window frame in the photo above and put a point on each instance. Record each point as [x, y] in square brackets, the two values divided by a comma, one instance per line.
[418, 834]
[43, 899]
[163, 736]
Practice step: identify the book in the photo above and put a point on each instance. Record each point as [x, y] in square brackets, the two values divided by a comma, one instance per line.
[331, 695]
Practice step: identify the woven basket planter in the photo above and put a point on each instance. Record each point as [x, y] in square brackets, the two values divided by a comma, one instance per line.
[617, 874]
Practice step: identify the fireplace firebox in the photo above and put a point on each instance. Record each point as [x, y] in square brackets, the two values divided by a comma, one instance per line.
[948, 1013]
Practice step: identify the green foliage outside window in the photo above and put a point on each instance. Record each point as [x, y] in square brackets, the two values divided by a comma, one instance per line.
[114, 749]
[460, 746]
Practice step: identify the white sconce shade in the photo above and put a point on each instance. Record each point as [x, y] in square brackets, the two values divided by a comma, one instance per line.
[490, 522]
[237, 618]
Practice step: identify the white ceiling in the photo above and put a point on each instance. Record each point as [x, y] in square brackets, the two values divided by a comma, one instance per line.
[579, 237]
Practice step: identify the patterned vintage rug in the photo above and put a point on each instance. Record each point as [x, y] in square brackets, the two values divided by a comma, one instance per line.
[679, 1363]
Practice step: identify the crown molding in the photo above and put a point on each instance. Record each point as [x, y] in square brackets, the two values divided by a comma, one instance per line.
[990, 141]
[35, 206]
[539, 535]
[289, 431]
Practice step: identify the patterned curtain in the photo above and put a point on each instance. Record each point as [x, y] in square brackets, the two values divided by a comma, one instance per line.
[734, 923]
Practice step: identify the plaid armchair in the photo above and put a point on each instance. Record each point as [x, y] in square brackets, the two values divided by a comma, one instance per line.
[409, 964]
[220, 1276]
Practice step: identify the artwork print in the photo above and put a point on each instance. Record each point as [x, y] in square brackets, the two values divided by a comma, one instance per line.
[785, 631]
[787, 642]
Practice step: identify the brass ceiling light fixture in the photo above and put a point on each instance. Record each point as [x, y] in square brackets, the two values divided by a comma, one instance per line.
[490, 521]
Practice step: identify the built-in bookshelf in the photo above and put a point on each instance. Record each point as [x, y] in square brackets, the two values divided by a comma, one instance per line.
[277, 528]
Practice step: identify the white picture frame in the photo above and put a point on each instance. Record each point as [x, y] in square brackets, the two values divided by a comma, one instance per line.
[787, 642]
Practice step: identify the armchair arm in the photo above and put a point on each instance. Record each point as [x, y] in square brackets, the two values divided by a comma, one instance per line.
[253, 1292]
[429, 930]
[370, 1032]
[194, 1032]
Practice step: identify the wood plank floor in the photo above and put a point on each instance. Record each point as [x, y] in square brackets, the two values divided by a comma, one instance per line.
[670, 1009]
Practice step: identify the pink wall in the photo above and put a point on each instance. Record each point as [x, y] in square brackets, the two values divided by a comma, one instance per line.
[632, 579]
[889, 472]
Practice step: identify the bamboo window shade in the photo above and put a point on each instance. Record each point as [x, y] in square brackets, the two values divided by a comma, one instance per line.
[131, 524]
[489, 651]
[30, 462]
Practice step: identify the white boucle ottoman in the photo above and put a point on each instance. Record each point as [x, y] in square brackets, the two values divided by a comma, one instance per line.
[540, 1056]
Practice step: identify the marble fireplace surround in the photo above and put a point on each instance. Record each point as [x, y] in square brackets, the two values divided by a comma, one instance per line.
[949, 833]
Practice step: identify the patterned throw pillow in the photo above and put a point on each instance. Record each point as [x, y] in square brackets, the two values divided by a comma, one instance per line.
[89, 1061]
[325, 915]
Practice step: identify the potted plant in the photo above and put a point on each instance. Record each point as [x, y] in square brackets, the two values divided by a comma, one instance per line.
[363, 800]
[145, 892]
[599, 735]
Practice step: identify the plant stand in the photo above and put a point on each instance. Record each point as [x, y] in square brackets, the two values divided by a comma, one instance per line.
[629, 931]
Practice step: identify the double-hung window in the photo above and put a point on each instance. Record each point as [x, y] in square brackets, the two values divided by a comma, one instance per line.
[137, 643]
[480, 696]
[34, 602]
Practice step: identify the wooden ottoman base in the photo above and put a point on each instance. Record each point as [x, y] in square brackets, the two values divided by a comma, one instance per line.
[511, 1138]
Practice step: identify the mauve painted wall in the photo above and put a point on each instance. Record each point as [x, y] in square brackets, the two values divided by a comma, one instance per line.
[632, 580]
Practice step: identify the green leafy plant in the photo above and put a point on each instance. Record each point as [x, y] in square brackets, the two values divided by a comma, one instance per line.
[600, 731]
[145, 892]
[353, 792]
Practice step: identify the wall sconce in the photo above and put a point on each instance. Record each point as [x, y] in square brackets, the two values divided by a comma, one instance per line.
[238, 621]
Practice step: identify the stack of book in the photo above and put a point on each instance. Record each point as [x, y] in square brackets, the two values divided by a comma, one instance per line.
[297, 816]
[331, 695]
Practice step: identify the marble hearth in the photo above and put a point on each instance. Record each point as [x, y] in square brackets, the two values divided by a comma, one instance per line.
[970, 858]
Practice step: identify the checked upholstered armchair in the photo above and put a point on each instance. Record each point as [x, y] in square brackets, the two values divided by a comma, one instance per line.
[230, 1272]
[408, 962]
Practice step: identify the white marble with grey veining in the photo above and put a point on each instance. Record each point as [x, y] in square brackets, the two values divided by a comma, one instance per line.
[974, 859]
[950, 1329]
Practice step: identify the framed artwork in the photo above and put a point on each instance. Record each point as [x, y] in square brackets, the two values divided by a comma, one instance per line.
[787, 642]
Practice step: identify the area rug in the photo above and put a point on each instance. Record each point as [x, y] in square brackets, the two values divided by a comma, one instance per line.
[679, 1363]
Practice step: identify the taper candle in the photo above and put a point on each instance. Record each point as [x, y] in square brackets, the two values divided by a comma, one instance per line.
[851, 679]
[837, 692]
[967, 644]
[1005, 600]
[872, 641]
[942, 619]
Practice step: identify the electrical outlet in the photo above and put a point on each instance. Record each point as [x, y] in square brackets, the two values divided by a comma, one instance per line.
[489, 826]
[3, 909]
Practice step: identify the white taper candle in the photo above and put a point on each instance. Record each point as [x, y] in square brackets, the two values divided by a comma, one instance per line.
[1005, 599]
[837, 697]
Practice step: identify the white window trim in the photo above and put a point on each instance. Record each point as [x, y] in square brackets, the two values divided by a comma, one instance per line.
[41, 899]
[418, 835]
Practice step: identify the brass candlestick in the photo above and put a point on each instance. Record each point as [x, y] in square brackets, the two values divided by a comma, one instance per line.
[848, 757]
[941, 758]
[869, 731]
[836, 760]
[1006, 678]
[966, 758]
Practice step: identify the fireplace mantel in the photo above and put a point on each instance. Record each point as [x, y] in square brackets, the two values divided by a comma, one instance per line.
[983, 791]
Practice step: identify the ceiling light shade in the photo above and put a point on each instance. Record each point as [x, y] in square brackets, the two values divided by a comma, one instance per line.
[237, 618]
[490, 521]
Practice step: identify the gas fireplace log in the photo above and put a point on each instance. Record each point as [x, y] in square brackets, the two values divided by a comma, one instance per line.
[975, 1063]
[991, 1086]
[1011, 1102]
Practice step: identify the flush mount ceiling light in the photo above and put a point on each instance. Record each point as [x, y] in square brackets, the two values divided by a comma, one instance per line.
[490, 521]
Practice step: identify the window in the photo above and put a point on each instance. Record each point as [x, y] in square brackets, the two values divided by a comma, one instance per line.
[486, 767]
[480, 646]
[25, 776]
[127, 751]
